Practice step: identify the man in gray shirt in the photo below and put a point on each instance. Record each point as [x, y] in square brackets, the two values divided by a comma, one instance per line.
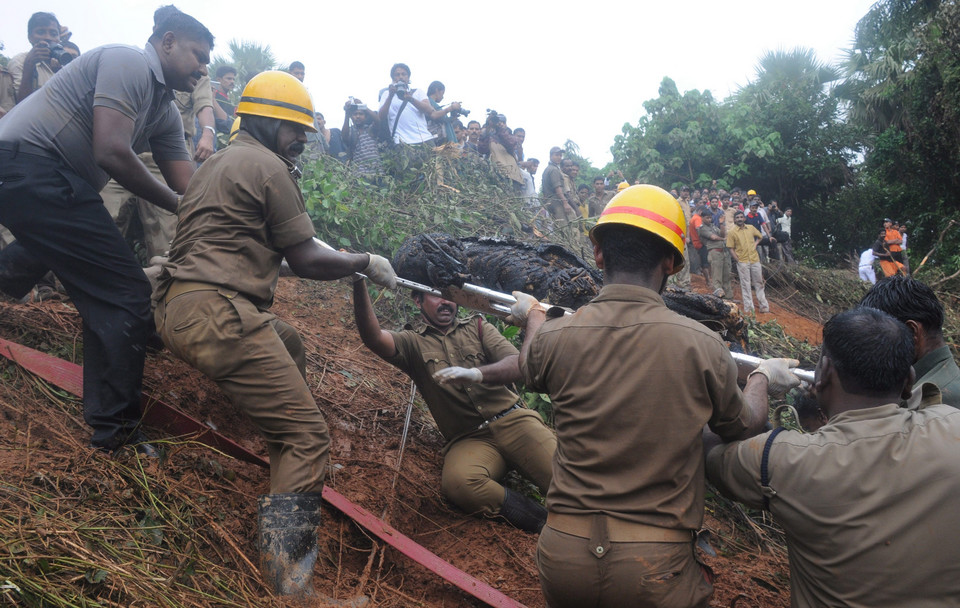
[57, 150]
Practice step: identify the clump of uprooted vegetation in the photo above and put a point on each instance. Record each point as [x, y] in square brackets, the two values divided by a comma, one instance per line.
[78, 528]
[444, 192]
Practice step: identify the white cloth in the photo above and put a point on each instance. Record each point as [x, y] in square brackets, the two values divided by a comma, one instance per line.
[903, 237]
[412, 127]
[868, 274]
[867, 258]
[529, 189]
[784, 223]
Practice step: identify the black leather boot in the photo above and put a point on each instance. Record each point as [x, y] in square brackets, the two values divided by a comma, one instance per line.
[523, 512]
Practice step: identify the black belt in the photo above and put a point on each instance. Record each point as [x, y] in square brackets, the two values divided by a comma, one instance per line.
[496, 417]
[20, 147]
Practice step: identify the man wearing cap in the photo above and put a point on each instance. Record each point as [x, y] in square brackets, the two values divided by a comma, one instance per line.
[58, 148]
[867, 501]
[242, 214]
[462, 368]
[627, 494]
[742, 241]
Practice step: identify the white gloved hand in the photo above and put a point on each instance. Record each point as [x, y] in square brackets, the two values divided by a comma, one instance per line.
[780, 378]
[519, 311]
[380, 271]
[458, 375]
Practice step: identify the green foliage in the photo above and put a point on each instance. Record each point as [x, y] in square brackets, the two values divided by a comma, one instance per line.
[440, 193]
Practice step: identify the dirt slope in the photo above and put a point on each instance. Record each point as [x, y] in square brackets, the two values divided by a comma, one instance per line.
[364, 401]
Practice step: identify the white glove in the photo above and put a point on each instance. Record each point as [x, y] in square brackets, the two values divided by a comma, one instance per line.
[380, 271]
[458, 375]
[519, 311]
[780, 378]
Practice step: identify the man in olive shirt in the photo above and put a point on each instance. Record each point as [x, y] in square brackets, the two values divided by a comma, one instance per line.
[461, 367]
[742, 242]
[916, 305]
[714, 238]
[633, 384]
[552, 190]
[58, 148]
[867, 501]
[241, 215]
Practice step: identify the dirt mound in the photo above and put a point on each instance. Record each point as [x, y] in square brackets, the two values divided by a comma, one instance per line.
[74, 524]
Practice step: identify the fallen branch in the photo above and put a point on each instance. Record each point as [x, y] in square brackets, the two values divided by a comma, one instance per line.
[950, 224]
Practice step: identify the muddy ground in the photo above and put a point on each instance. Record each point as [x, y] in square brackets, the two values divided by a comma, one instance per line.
[364, 401]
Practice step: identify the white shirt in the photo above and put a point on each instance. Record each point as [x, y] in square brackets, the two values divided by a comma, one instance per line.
[866, 258]
[412, 127]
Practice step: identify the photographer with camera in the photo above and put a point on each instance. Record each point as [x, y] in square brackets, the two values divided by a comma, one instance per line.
[404, 110]
[442, 118]
[31, 70]
[360, 139]
[499, 143]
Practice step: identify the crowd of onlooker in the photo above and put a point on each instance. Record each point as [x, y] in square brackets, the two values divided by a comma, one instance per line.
[889, 250]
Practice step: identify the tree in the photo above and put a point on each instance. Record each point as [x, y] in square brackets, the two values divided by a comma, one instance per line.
[249, 58]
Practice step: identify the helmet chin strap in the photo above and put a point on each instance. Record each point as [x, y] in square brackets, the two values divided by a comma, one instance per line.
[263, 129]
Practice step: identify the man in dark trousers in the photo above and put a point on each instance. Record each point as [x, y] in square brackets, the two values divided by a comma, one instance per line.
[57, 150]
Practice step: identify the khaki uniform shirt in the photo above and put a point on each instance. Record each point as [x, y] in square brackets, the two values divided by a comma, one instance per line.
[458, 410]
[552, 177]
[632, 385]
[190, 104]
[868, 504]
[939, 369]
[8, 98]
[595, 204]
[708, 230]
[240, 211]
[15, 67]
[742, 241]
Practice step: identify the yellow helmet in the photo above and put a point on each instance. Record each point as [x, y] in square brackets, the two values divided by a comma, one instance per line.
[235, 128]
[751, 192]
[277, 94]
[623, 186]
[649, 208]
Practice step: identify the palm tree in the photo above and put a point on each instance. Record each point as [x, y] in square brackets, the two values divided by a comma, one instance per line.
[249, 58]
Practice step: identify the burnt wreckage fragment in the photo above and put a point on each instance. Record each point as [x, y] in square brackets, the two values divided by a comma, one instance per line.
[547, 271]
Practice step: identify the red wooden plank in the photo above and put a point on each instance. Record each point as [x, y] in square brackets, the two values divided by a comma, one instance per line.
[69, 377]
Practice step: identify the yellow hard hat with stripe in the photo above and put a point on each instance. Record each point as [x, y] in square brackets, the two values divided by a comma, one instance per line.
[276, 94]
[648, 208]
[235, 128]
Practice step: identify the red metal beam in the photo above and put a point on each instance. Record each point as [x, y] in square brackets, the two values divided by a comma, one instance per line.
[69, 377]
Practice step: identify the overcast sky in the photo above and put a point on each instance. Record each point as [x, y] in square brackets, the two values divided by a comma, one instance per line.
[560, 70]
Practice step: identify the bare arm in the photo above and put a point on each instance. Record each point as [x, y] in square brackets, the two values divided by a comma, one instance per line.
[112, 134]
[385, 107]
[177, 173]
[504, 371]
[535, 318]
[377, 340]
[36, 55]
[311, 261]
[205, 148]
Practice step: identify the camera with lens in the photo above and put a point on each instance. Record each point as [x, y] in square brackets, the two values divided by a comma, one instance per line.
[353, 108]
[458, 113]
[402, 89]
[57, 52]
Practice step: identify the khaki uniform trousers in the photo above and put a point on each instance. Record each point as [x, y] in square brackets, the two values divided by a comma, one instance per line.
[682, 278]
[474, 465]
[259, 362]
[159, 225]
[575, 572]
[721, 270]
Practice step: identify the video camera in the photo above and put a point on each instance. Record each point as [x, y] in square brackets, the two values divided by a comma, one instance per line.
[353, 107]
[494, 118]
[57, 52]
[402, 89]
[454, 114]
